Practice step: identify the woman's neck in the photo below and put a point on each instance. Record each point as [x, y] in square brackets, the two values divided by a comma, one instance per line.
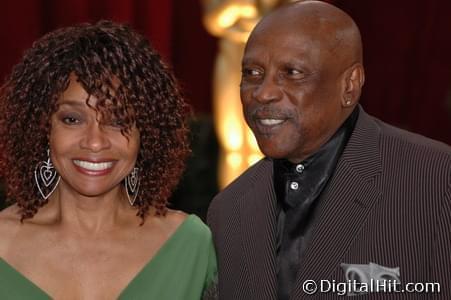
[87, 215]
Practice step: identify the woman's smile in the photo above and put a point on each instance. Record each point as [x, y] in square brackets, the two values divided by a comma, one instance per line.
[93, 168]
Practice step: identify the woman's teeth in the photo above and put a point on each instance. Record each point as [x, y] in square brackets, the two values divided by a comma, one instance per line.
[93, 166]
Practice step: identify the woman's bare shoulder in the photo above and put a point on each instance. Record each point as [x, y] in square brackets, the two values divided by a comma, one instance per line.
[9, 224]
[9, 214]
[167, 223]
[176, 216]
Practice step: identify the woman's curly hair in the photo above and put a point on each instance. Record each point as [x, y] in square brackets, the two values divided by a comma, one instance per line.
[104, 57]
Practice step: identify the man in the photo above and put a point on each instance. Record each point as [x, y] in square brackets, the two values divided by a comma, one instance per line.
[341, 197]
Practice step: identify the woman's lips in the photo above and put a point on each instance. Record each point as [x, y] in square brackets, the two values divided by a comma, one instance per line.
[93, 168]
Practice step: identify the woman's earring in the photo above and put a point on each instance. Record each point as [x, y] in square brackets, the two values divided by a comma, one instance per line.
[132, 185]
[46, 177]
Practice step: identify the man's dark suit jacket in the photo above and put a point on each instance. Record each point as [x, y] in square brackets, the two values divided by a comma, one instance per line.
[388, 202]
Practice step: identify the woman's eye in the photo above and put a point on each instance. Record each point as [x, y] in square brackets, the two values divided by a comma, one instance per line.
[71, 120]
[113, 121]
[117, 123]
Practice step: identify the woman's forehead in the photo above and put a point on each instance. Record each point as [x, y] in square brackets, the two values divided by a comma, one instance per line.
[73, 92]
[76, 92]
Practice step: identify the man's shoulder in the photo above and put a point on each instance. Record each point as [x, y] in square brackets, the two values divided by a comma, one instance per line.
[248, 179]
[402, 139]
[405, 151]
[231, 195]
[224, 204]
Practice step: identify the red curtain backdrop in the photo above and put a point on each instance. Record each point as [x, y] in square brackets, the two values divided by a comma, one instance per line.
[407, 56]
[407, 46]
[174, 27]
[193, 54]
[22, 22]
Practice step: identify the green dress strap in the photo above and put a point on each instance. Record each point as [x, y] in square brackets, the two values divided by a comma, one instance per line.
[184, 267]
[14, 285]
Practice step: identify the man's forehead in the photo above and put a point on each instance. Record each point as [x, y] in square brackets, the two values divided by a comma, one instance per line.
[308, 27]
[281, 46]
[315, 18]
[284, 40]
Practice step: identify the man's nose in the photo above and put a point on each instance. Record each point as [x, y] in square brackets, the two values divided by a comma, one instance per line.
[268, 90]
[95, 138]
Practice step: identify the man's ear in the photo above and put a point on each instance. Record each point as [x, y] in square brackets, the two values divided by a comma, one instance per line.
[354, 78]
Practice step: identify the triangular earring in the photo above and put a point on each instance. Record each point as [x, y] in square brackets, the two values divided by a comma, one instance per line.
[46, 177]
[132, 185]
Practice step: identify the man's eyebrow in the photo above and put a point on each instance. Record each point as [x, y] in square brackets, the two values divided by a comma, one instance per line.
[248, 61]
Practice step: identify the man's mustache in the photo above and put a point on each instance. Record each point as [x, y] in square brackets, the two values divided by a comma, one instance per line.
[271, 112]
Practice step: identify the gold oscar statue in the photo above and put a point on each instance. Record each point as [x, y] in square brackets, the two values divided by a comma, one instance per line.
[232, 21]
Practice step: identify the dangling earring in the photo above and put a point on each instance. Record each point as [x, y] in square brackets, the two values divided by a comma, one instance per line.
[46, 177]
[132, 185]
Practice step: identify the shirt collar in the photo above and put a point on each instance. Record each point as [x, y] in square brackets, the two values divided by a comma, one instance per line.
[303, 182]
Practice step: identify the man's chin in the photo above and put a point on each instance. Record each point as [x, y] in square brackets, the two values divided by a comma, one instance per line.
[274, 153]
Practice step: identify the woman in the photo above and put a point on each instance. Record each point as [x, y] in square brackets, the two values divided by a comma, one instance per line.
[93, 138]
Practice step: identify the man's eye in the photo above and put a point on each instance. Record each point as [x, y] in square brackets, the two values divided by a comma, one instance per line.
[294, 73]
[251, 72]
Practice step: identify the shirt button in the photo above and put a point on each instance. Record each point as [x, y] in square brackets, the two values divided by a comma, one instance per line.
[300, 168]
[294, 185]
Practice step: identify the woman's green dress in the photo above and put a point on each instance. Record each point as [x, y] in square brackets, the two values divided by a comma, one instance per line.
[183, 268]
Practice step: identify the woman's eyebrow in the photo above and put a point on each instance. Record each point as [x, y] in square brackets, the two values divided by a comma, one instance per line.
[70, 102]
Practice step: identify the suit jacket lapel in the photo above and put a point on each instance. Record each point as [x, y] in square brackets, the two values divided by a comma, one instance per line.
[258, 225]
[345, 204]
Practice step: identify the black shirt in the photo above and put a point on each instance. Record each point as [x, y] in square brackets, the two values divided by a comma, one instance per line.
[298, 186]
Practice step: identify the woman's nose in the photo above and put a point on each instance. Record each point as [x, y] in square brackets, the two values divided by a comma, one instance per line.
[95, 138]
